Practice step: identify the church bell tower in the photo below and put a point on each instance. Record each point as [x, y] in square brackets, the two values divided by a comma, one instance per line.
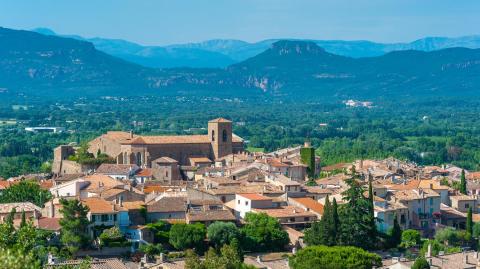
[220, 135]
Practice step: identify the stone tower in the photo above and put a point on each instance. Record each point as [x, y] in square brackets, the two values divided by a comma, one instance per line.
[220, 135]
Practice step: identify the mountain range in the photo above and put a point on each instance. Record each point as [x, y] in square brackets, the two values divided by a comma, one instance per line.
[224, 52]
[54, 66]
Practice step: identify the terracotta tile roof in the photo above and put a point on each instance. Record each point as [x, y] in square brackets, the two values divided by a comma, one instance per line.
[199, 160]
[310, 204]
[131, 205]
[167, 204]
[462, 197]
[317, 190]
[117, 169]
[110, 263]
[219, 120]
[99, 206]
[175, 139]
[4, 184]
[210, 215]
[415, 194]
[410, 185]
[101, 181]
[111, 192]
[276, 163]
[474, 176]
[165, 160]
[431, 184]
[144, 172]
[285, 212]
[46, 184]
[254, 196]
[49, 224]
[19, 207]
[337, 166]
[154, 188]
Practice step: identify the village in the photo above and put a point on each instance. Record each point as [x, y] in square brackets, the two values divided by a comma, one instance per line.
[129, 182]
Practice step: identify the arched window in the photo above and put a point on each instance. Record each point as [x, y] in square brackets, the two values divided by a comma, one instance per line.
[139, 158]
[224, 136]
[213, 135]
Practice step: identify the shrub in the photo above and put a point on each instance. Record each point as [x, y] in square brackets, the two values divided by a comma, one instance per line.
[320, 257]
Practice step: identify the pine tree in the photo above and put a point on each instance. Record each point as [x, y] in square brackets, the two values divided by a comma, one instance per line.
[24, 220]
[469, 222]
[463, 183]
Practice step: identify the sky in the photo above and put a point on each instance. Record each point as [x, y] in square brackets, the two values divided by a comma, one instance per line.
[162, 22]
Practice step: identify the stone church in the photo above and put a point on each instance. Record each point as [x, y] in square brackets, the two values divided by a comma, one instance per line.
[129, 148]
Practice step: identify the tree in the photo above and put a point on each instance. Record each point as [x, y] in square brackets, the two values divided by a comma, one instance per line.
[324, 232]
[229, 257]
[319, 257]
[421, 263]
[24, 219]
[25, 191]
[151, 249]
[335, 220]
[161, 231]
[74, 234]
[184, 236]
[356, 227]
[16, 259]
[463, 183]
[222, 233]
[469, 222]
[476, 230]
[263, 233]
[410, 238]
[371, 210]
[395, 234]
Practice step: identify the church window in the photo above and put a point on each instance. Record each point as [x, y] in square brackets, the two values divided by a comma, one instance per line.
[224, 136]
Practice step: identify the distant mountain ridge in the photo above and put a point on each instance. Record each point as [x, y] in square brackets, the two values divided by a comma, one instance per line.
[37, 64]
[224, 52]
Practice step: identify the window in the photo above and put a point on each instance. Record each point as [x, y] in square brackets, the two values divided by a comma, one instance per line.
[292, 219]
[431, 201]
[246, 202]
[213, 135]
[306, 219]
[402, 219]
[224, 136]
[238, 201]
[166, 173]
[467, 205]
[94, 218]
[104, 217]
[115, 217]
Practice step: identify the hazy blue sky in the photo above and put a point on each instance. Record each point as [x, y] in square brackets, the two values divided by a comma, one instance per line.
[177, 21]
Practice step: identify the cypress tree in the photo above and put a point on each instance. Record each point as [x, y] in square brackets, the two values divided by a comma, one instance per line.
[463, 183]
[335, 220]
[24, 220]
[469, 222]
[326, 224]
[371, 208]
[395, 236]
